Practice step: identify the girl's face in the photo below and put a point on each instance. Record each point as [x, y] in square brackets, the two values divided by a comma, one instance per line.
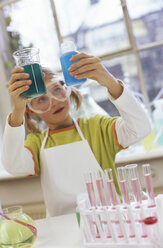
[58, 114]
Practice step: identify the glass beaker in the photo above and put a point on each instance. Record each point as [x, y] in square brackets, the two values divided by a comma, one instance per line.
[29, 59]
[17, 229]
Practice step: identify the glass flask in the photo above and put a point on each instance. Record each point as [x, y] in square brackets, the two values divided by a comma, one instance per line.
[68, 50]
[17, 229]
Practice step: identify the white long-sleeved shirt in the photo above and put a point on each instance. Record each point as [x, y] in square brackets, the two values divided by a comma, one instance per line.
[132, 126]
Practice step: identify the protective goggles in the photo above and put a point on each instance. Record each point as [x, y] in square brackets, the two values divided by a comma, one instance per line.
[55, 90]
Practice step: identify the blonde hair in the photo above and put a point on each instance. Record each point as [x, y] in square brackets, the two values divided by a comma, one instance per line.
[32, 123]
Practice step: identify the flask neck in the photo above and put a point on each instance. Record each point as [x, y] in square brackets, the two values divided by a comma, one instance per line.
[67, 46]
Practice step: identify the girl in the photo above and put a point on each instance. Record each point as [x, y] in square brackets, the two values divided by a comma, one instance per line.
[67, 149]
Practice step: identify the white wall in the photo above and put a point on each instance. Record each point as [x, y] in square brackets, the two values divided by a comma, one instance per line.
[5, 103]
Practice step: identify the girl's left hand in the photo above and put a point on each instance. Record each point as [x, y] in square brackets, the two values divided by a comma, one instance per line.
[90, 67]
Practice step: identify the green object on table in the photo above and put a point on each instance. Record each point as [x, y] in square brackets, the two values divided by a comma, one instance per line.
[13, 234]
[78, 216]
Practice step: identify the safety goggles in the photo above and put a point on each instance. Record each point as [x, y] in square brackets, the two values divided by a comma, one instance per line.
[55, 90]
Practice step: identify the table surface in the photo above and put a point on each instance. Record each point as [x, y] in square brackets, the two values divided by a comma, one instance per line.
[61, 231]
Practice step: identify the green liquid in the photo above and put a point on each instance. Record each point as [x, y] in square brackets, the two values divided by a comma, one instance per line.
[37, 88]
[24, 244]
[15, 235]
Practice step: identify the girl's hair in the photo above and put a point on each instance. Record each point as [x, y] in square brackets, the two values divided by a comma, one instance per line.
[32, 124]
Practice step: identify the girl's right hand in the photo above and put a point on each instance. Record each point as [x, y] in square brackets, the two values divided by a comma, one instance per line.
[17, 86]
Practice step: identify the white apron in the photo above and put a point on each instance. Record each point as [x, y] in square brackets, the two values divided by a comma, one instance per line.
[62, 173]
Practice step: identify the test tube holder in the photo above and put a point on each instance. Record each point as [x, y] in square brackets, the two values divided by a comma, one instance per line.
[114, 242]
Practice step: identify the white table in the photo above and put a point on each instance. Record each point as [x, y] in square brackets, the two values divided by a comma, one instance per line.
[61, 231]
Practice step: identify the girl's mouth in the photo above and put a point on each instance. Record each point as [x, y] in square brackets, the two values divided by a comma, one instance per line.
[58, 110]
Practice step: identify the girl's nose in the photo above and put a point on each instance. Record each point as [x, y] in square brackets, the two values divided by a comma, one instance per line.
[54, 101]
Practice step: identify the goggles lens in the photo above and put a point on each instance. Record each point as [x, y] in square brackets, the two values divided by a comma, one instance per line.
[40, 104]
[58, 91]
[54, 91]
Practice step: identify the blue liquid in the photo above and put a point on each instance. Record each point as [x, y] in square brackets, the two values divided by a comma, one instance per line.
[66, 63]
[37, 88]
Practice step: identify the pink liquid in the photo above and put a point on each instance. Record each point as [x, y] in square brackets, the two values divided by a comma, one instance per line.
[93, 226]
[100, 187]
[130, 230]
[143, 229]
[126, 200]
[102, 196]
[91, 194]
[149, 189]
[138, 199]
[114, 202]
[136, 190]
[105, 226]
[92, 199]
[124, 191]
[112, 192]
[137, 196]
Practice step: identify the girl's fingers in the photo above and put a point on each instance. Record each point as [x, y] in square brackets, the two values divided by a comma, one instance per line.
[80, 56]
[17, 69]
[89, 74]
[18, 76]
[18, 91]
[18, 84]
[87, 61]
[84, 69]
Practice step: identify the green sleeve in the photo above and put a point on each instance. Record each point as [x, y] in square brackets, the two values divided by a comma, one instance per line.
[33, 144]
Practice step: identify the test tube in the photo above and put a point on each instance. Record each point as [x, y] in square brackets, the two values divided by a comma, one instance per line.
[125, 197]
[114, 200]
[135, 183]
[123, 185]
[136, 189]
[148, 184]
[100, 188]
[111, 187]
[92, 200]
[90, 189]
[103, 201]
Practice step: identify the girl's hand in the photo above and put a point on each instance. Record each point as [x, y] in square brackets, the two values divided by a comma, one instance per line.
[17, 86]
[91, 67]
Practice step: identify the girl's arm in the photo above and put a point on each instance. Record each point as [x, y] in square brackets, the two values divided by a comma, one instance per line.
[16, 159]
[134, 124]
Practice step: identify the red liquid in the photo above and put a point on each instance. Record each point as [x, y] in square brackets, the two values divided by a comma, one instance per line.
[91, 194]
[149, 189]
[112, 192]
[124, 191]
[136, 190]
[100, 187]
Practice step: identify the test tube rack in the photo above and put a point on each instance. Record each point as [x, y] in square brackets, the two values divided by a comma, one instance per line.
[99, 225]
[118, 223]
